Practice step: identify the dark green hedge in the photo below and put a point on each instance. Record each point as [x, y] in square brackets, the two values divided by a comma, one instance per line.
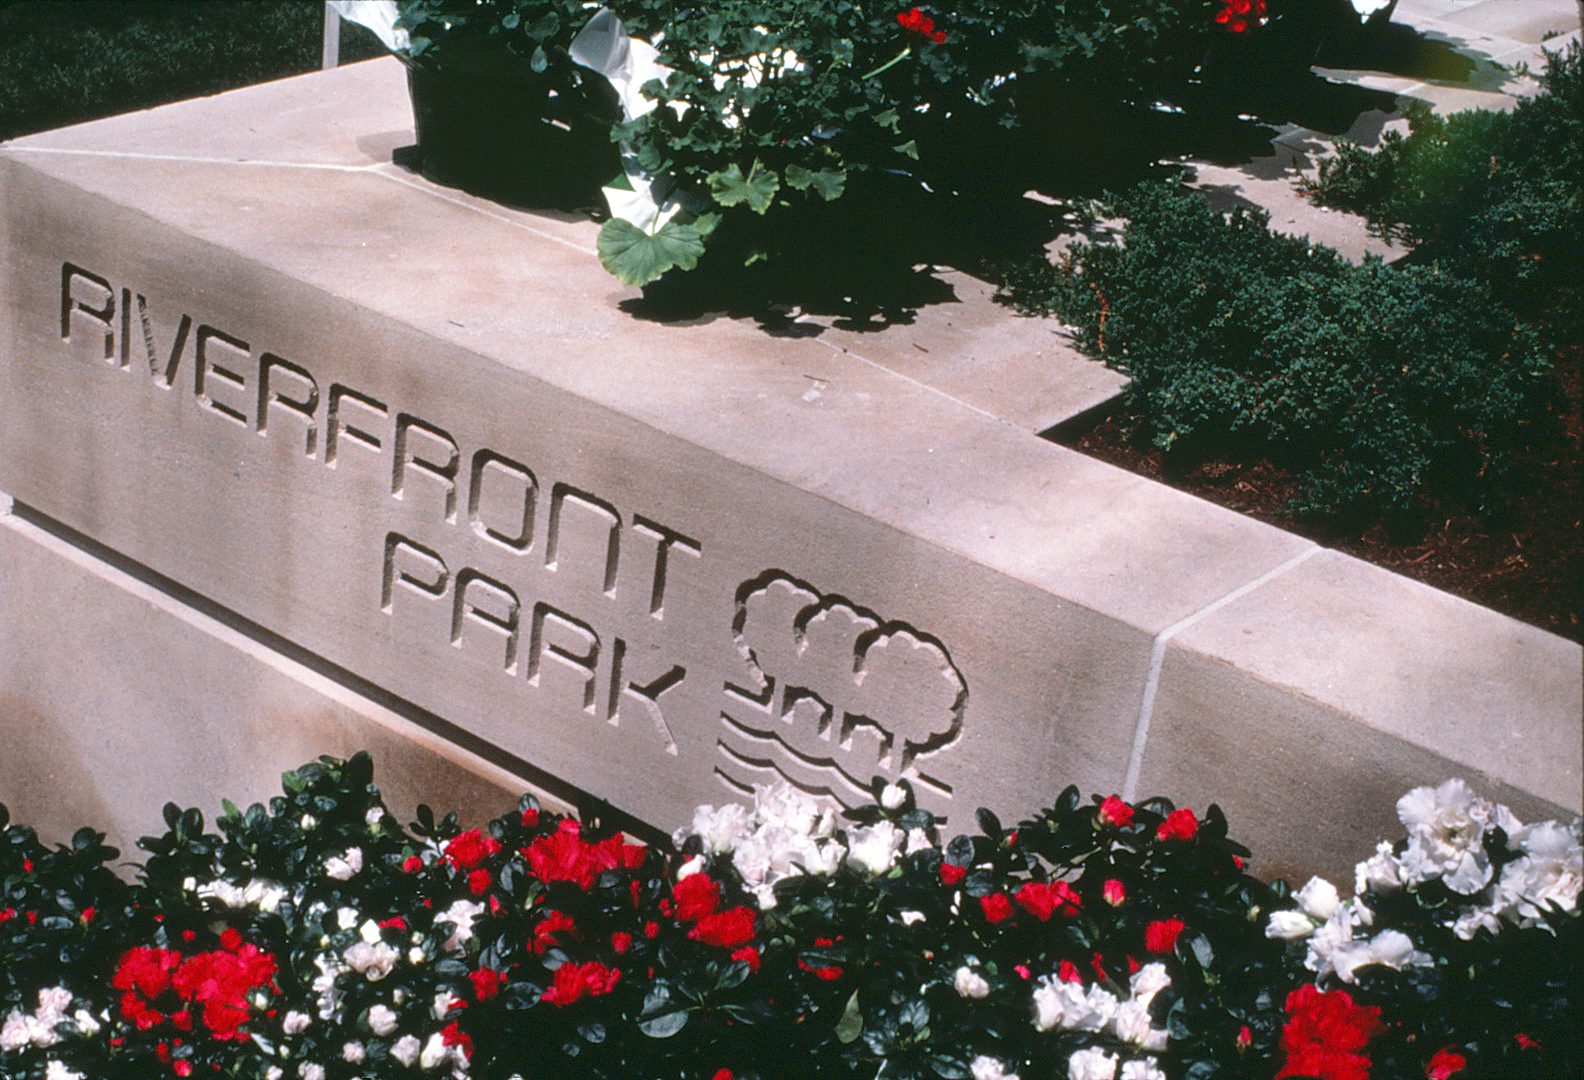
[1383, 388]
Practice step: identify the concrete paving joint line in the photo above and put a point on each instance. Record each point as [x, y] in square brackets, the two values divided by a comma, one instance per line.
[1158, 659]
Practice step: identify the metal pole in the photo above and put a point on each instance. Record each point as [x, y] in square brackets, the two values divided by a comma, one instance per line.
[332, 37]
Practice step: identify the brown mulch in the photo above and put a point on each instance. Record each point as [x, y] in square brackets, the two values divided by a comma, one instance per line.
[1529, 566]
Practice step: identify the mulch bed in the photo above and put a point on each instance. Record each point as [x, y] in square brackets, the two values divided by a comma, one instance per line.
[1530, 565]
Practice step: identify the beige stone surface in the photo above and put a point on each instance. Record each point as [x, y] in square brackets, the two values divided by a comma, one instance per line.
[1347, 685]
[116, 698]
[429, 443]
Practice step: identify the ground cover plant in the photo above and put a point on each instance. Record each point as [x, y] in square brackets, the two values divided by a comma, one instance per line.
[317, 939]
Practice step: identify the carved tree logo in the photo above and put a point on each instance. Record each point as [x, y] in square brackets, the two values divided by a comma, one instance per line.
[838, 696]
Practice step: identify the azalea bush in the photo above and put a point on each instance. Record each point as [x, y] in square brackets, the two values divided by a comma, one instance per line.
[317, 939]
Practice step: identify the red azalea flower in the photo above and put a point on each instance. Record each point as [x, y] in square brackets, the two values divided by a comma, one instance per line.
[530, 818]
[651, 930]
[726, 929]
[8, 914]
[1116, 812]
[1114, 892]
[1161, 935]
[1068, 972]
[952, 874]
[486, 983]
[722, 1074]
[466, 851]
[1325, 1034]
[1044, 899]
[230, 939]
[916, 22]
[1444, 1064]
[696, 896]
[1023, 971]
[182, 1067]
[87, 915]
[621, 941]
[1241, 16]
[1179, 825]
[396, 921]
[1245, 1038]
[1097, 962]
[479, 881]
[412, 864]
[451, 1035]
[827, 974]
[997, 908]
[749, 955]
[1525, 1042]
[573, 981]
[553, 923]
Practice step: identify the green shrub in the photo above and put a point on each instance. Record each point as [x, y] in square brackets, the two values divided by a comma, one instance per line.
[1383, 388]
[66, 63]
[1496, 196]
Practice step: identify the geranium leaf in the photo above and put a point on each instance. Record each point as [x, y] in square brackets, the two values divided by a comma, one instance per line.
[758, 189]
[827, 183]
[637, 257]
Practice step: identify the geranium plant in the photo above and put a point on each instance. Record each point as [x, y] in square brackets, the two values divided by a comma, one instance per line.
[315, 939]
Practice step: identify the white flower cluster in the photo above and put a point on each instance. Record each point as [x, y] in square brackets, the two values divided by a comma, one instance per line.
[1072, 1007]
[41, 1028]
[786, 833]
[1447, 828]
[257, 893]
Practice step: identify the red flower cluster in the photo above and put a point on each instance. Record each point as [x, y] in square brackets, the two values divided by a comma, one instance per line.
[1325, 1035]
[698, 902]
[565, 856]
[1444, 1064]
[996, 907]
[1179, 825]
[487, 982]
[467, 851]
[574, 981]
[916, 22]
[1241, 16]
[219, 981]
[553, 923]
[952, 874]
[1044, 899]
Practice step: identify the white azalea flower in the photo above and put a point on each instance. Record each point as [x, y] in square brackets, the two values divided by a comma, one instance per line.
[15, 1033]
[1550, 872]
[373, 960]
[1446, 831]
[434, 1052]
[342, 867]
[1091, 1063]
[273, 1073]
[1070, 1006]
[310, 1070]
[1289, 925]
[910, 917]
[874, 848]
[405, 1050]
[1149, 980]
[970, 984]
[691, 867]
[346, 918]
[353, 1053]
[87, 1023]
[374, 816]
[1318, 898]
[381, 1021]
[55, 1070]
[295, 1023]
[461, 913]
[892, 796]
[984, 1067]
[53, 1001]
[1148, 1069]
[720, 829]
[1380, 873]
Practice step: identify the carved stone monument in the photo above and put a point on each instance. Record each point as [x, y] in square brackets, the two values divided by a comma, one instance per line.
[420, 460]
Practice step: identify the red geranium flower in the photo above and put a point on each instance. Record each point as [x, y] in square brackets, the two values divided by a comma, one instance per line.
[916, 22]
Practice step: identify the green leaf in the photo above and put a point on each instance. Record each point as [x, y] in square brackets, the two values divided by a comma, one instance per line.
[828, 183]
[637, 257]
[758, 189]
[909, 149]
[850, 1026]
[661, 1018]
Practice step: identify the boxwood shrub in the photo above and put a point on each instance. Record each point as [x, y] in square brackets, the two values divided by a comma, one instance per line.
[1497, 196]
[1384, 389]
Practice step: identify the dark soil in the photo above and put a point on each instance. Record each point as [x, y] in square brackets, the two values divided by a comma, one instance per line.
[1530, 565]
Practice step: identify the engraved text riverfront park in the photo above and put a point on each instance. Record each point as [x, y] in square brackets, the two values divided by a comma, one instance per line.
[821, 690]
